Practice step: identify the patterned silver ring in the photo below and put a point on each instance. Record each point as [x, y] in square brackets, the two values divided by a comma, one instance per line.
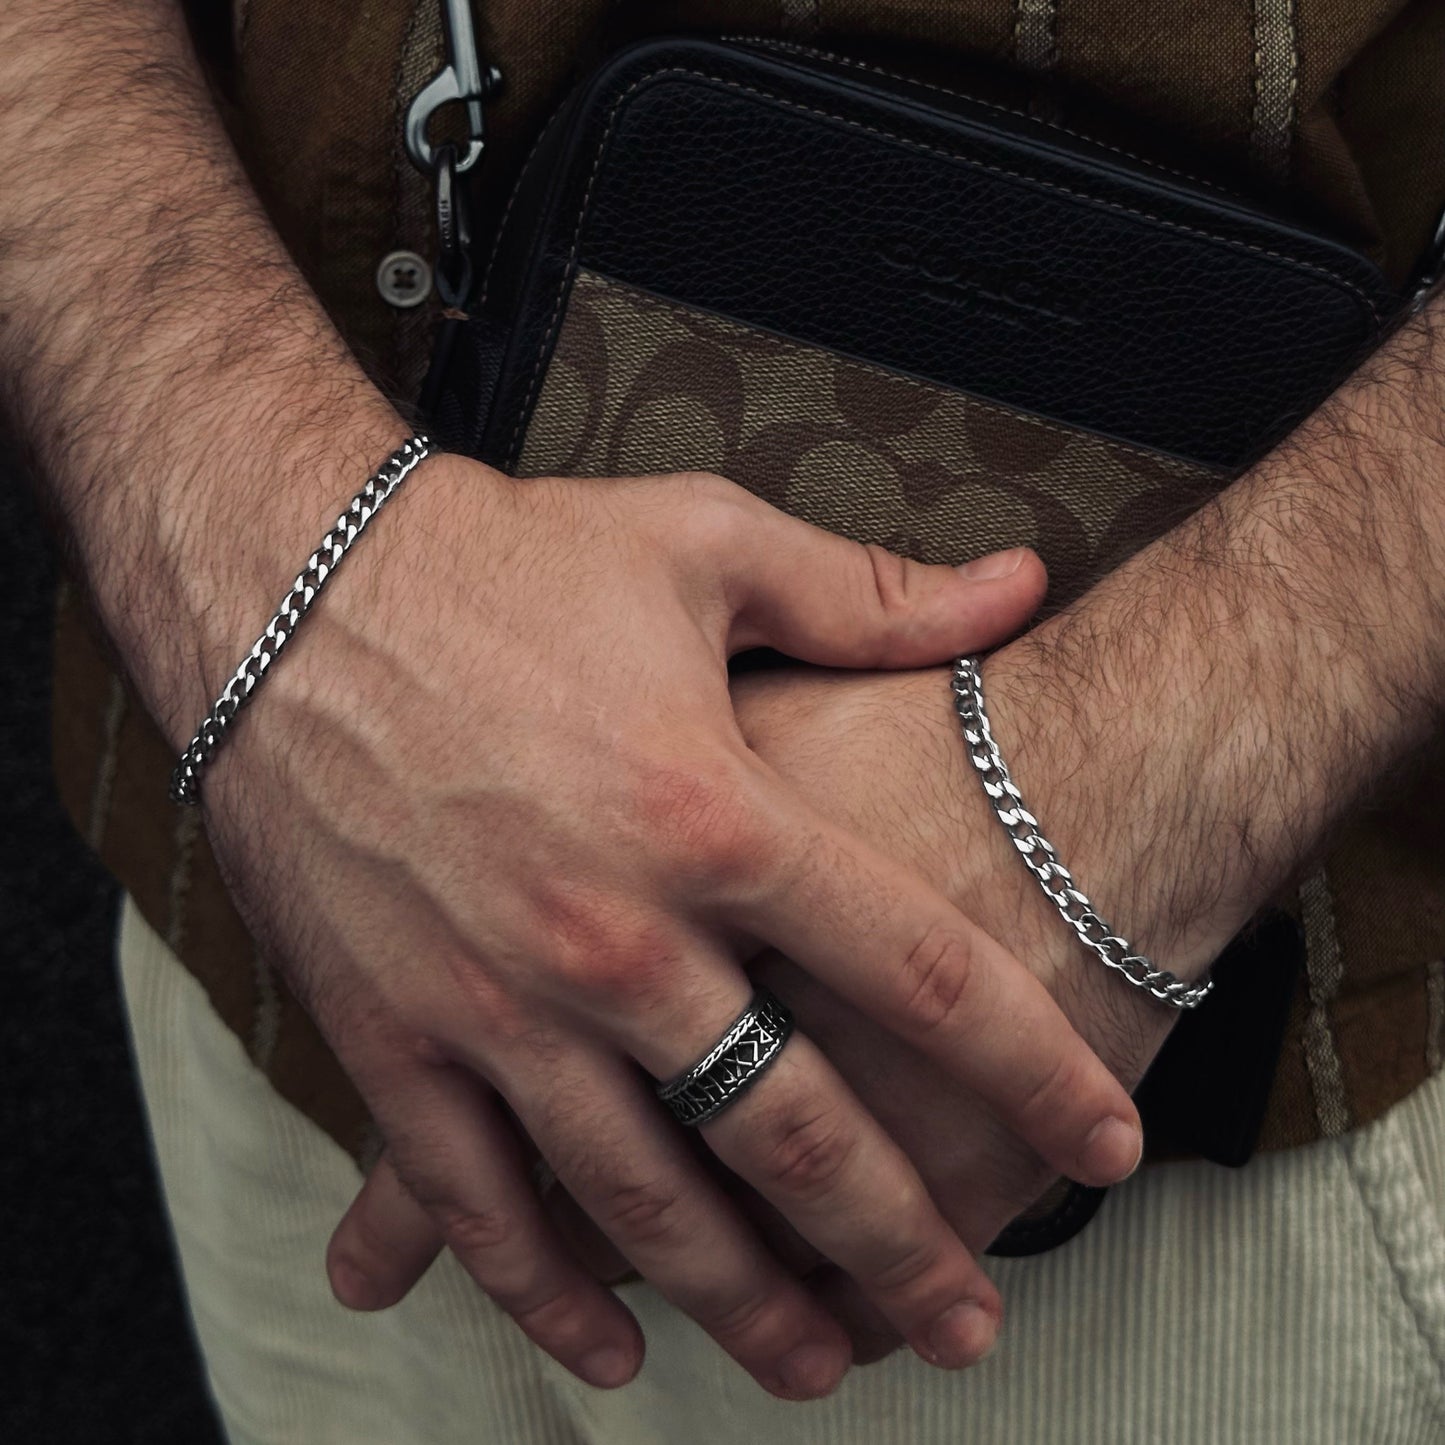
[752, 1042]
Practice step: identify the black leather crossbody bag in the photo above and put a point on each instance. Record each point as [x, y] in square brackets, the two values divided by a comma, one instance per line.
[922, 319]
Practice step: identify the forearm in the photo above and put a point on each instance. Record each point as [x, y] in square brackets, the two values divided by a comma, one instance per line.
[193, 418]
[1189, 732]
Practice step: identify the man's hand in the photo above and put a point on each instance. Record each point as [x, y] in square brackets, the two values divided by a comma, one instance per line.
[1189, 733]
[496, 822]
[882, 755]
[195, 421]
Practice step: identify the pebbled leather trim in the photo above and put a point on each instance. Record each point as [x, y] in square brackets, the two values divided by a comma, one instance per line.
[1291, 261]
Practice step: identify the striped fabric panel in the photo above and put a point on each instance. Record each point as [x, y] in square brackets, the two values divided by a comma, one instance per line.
[1035, 42]
[1435, 1014]
[413, 205]
[104, 784]
[1276, 84]
[1324, 971]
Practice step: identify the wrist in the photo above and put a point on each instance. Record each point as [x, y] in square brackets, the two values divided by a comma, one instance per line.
[1082, 763]
[192, 416]
[213, 539]
[365, 671]
[1123, 1024]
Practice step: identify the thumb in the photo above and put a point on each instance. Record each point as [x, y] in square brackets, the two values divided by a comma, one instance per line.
[824, 599]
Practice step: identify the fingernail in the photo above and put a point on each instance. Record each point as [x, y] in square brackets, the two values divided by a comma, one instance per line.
[993, 566]
[354, 1289]
[811, 1371]
[606, 1368]
[1112, 1151]
[962, 1335]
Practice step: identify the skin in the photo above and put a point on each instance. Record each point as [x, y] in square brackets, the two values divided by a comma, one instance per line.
[494, 818]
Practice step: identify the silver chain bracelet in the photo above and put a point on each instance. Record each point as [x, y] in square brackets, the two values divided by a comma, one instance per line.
[185, 780]
[1038, 853]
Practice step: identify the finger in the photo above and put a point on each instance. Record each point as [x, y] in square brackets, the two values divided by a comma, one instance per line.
[461, 1162]
[798, 1256]
[820, 597]
[868, 1329]
[594, 1251]
[633, 1171]
[602, 1259]
[384, 1244]
[589, 1246]
[799, 1136]
[897, 949]
[806, 1144]
[872, 1336]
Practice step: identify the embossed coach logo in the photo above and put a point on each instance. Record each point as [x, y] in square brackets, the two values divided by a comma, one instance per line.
[1012, 294]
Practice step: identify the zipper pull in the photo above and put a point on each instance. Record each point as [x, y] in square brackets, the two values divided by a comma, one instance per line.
[452, 274]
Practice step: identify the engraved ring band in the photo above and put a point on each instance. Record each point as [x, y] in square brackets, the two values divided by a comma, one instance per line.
[751, 1043]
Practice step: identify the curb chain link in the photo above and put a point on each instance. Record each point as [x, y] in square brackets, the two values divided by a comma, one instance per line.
[185, 780]
[1038, 853]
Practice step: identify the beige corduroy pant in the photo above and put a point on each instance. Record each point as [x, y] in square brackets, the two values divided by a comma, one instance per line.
[1300, 1299]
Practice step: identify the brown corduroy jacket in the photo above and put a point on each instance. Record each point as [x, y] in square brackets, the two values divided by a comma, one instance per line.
[1339, 106]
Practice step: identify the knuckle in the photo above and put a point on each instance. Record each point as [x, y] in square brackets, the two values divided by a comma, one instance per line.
[702, 487]
[552, 1314]
[702, 821]
[469, 1009]
[805, 1155]
[481, 1009]
[526, 1289]
[907, 1262]
[891, 575]
[707, 515]
[645, 1212]
[731, 1319]
[472, 1231]
[626, 969]
[603, 948]
[385, 1045]
[636, 970]
[937, 976]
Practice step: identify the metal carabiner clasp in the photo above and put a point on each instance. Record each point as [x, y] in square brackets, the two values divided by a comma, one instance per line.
[462, 79]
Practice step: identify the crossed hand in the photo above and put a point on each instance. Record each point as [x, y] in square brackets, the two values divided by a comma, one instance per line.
[517, 846]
